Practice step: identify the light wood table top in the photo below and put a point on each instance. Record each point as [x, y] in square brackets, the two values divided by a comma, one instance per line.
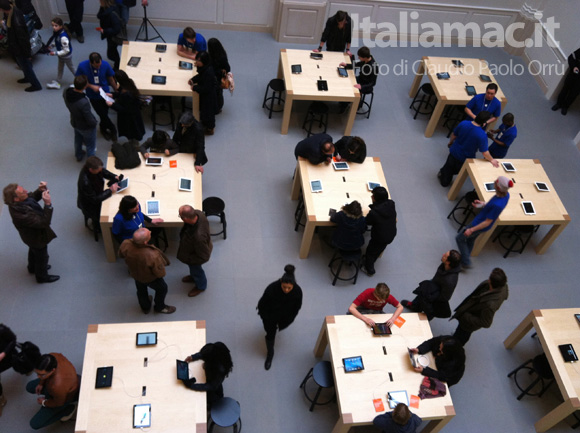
[548, 206]
[303, 86]
[174, 408]
[347, 336]
[555, 327]
[339, 187]
[142, 186]
[452, 91]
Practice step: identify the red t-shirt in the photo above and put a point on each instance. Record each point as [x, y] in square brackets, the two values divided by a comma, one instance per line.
[368, 300]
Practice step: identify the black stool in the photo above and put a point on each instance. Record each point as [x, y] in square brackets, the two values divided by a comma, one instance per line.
[519, 234]
[466, 209]
[541, 368]
[277, 85]
[365, 107]
[214, 206]
[454, 115]
[317, 112]
[96, 228]
[427, 93]
[226, 413]
[162, 104]
[348, 257]
[322, 376]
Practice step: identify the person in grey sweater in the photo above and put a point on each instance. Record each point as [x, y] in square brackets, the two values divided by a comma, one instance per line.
[82, 118]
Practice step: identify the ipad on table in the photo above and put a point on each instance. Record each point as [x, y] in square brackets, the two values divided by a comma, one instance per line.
[104, 377]
[316, 56]
[185, 65]
[489, 186]
[568, 353]
[382, 329]
[528, 208]
[146, 339]
[340, 165]
[508, 166]
[141, 415]
[182, 370]
[123, 184]
[185, 184]
[161, 48]
[154, 160]
[353, 363]
[296, 69]
[158, 79]
[485, 78]
[134, 61]
[342, 72]
[443, 75]
[153, 207]
[470, 90]
[372, 185]
[316, 185]
[542, 186]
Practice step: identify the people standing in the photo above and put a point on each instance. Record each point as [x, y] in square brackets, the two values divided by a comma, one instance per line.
[110, 25]
[571, 87]
[75, 10]
[146, 265]
[7, 349]
[33, 224]
[62, 48]
[278, 307]
[484, 102]
[337, 33]
[221, 68]
[128, 107]
[195, 247]
[506, 134]
[204, 84]
[82, 119]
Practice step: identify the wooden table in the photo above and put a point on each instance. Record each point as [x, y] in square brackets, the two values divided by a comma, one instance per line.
[339, 187]
[555, 327]
[348, 336]
[154, 63]
[174, 408]
[549, 208]
[303, 86]
[452, 91]
[142, 185]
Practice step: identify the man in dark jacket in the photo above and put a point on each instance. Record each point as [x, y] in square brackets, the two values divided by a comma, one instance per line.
[449, 358]
[19, 44]
[317, 148]
[351, 149]
[194, 247]
[383, 219]
[478, 309]
[191, 139]
[90, 188]
[433, 295]
[571, 87]
[33, 225]
[82, 119]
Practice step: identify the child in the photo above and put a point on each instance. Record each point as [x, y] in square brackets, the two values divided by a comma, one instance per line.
[61, 48]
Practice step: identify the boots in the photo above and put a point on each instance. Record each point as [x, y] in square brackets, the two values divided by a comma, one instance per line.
[270, 354]
[3, 403]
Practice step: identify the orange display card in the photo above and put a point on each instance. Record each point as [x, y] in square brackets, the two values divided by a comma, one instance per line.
[173, 164]
[379, 406]
[399, 321]
[414, 401]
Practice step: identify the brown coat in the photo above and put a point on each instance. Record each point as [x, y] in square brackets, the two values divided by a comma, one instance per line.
[146, 262]
[63, 384]
[32, 225]
[195, 241]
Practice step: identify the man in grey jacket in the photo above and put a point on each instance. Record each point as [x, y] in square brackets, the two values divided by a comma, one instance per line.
[81, 117]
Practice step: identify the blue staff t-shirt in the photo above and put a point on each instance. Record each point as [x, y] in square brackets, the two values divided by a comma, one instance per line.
[200, 43]
[506, 136]
[478, 104]
[469, 138]
[96, 76]
[491, 210]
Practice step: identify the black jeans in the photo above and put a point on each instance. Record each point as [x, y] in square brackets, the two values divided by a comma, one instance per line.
[102, 110]
[450, 169]
[113, 53]
[374, 250]
[38, 262]
[160, 287]
[462, 335]
[570, 90]
[270, 326]
[75, 9]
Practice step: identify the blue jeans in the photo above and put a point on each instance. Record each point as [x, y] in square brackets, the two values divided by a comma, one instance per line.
[465, 245]
[88, 138]
[26, 65]
[197, 273]
[47, 415]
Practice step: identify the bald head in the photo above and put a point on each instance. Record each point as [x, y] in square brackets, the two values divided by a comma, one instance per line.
[141, 236]
[187, 214]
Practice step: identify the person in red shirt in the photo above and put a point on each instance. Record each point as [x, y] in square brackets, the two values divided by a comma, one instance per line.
[372, 301]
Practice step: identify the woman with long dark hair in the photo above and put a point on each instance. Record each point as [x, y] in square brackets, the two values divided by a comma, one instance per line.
[130, 218]
[350, 227]
[221, 68]
[128, 107]
[278, 307]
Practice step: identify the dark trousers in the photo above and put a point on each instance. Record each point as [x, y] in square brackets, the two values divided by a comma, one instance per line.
[47, 415]
[270, 326]
[462, 335]
[374, 250]
[38, 262]
[219, 97]
[26, 65]
[159, 286]
[75, 9]
[113, 53]
[570, 90]
[450, 169]
[102, 110]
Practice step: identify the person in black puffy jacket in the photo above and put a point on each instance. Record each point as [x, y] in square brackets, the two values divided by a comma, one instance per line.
[383, 219]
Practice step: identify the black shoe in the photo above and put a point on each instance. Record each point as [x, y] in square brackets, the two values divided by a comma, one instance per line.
[81, 39]
[32, 272]
[23, 81]
[82, 156]
[268, 362]
[367, 271]
[555, 107]
[146, 311]
[564, 111]
[49, 279]
[32, 89]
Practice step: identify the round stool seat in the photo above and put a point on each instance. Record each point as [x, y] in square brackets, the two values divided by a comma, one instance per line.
[542, 366]
[322, 374]
[352, 255]
[213, 205]
[318, 108]
[427, 88]
[225, 412]
[277, 85]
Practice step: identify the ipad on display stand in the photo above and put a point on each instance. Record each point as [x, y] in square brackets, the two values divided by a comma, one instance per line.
[185, 184]
[155, 160]
[153, 207]
[316, 185]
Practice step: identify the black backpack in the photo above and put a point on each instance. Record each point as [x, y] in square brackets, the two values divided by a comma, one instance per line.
[25, 357]
[126, 154]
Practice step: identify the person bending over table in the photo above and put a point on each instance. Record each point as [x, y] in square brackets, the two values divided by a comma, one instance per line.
[484, 102]
[130, 218]
[317, 148]
[217, 363]
[337, 33]
[449, 359]
[159, 143]
[400, 420]
[351, 149]
[372, 301]
[191, 139]
[189, 43]
[506, 134]
[350, 227]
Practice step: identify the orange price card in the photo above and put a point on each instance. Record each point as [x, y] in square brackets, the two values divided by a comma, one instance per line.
[379, 406]
[399, 321]
[173, 164]
[414, 401]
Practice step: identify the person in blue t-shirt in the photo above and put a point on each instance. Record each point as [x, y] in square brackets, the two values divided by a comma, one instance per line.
[485, 102]
[189, 43]
[506, 134]
[484, 220]
[467, 138]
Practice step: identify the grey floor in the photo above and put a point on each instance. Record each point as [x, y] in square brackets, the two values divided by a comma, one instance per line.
[250, 167]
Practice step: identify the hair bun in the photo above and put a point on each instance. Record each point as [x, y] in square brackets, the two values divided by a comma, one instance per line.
[289, 269]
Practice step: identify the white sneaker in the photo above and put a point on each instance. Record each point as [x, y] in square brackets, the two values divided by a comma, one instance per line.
[53, 85]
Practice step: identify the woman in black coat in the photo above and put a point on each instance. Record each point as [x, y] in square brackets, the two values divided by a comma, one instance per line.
[128, 107]
[278, 307]
[110, 25]
[7, 346]
[217, 363]
[221, 67]
[204, 83]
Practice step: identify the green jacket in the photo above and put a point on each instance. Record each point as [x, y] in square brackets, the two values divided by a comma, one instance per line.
[477, 310]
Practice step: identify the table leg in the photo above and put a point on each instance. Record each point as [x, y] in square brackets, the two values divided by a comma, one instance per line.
[195, 104]
[481, 241]
[458, 183]
[307, 238]
[287, 112]
[295, 194]
[521, 330]
[435, 425]
[435, 117]
[340, 427]
[108, 241]
[351, 116]
[556, 415]
[551, 236]
[322, 341]
[417, 80]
